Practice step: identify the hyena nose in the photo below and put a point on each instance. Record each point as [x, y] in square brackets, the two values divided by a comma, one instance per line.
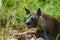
[27, 23]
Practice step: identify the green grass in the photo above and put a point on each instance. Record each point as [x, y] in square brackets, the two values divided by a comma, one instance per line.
[12, 13]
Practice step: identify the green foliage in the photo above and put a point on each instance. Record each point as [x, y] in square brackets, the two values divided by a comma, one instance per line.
[12, 13]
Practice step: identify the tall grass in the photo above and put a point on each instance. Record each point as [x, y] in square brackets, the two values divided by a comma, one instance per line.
[12, 13]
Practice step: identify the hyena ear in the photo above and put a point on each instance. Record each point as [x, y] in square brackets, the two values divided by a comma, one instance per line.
[39, 12]
[27, 11]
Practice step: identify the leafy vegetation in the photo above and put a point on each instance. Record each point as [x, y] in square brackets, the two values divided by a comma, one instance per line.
[12, 13]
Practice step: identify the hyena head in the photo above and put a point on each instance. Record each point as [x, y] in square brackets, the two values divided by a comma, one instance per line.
[32, 18]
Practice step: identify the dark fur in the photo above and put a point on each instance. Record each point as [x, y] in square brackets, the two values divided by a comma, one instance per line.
[48, 24]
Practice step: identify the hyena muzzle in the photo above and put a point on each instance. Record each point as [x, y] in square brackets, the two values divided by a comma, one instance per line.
[41, 21]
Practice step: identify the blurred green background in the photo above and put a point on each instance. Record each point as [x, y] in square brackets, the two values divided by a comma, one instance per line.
[12, 13]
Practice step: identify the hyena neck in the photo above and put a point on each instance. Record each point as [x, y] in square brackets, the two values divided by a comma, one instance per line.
[49, 24]
[44, 22]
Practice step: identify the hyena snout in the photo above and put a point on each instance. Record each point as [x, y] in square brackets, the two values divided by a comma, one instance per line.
[29, 23]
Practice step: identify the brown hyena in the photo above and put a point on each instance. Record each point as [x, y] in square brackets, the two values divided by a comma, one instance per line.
[44, 22]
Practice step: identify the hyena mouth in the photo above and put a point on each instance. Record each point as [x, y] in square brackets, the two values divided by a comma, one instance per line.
[30, 26]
